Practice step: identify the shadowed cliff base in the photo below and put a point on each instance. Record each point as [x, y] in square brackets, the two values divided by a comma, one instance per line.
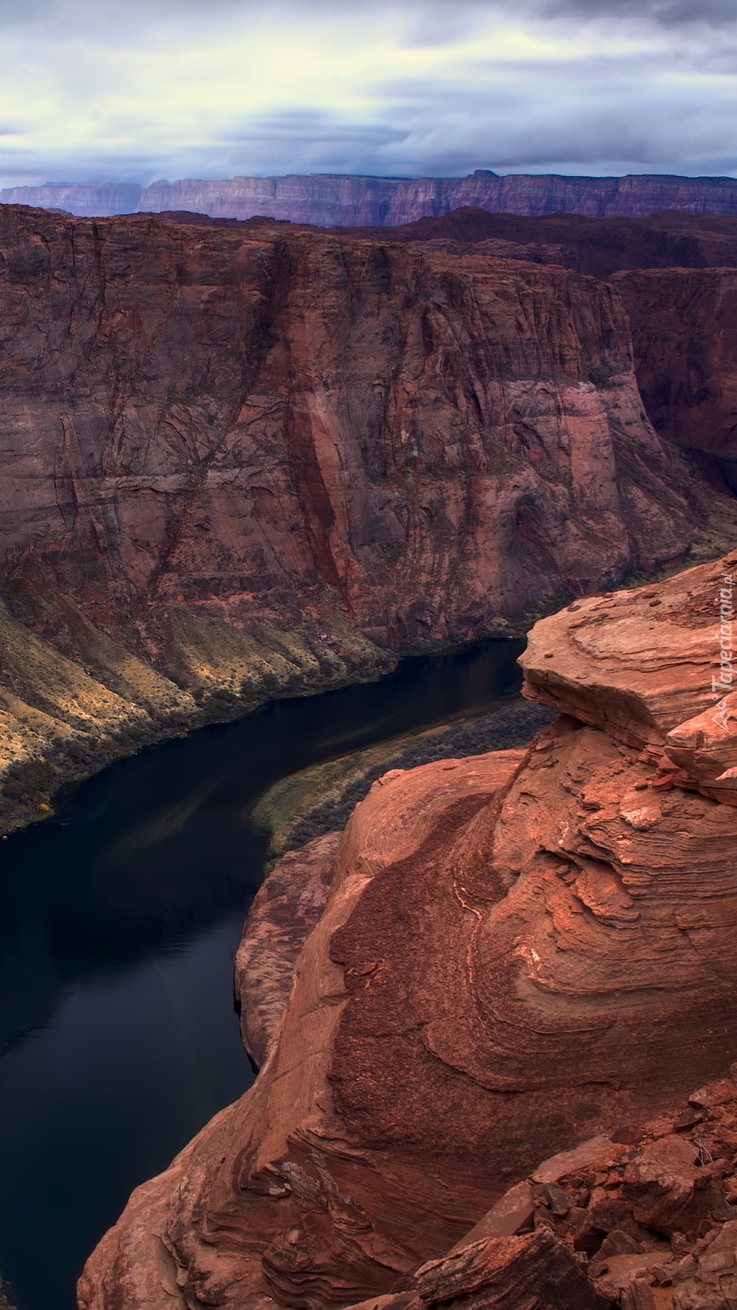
[242, 462]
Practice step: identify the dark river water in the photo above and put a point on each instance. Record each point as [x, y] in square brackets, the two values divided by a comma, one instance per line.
[118, 922]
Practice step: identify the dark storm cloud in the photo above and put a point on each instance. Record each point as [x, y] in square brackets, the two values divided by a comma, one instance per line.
[669, 13]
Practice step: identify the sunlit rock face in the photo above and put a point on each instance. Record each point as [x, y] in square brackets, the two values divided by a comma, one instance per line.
[517, 951]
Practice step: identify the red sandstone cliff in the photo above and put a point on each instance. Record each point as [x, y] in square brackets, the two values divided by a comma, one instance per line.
[235, 459]
[235, 454]
[239, 421]
[518, 951]
[329, 199]
[675, 274]
[684, 330]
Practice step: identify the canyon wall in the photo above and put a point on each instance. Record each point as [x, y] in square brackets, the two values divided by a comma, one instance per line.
[241, 422]
[329, 199]
[684, 331]
[517, 951]
[676, 276]
[245, 461]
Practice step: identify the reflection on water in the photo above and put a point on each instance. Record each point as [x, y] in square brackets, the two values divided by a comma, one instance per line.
[118, 921]
[149, 1037]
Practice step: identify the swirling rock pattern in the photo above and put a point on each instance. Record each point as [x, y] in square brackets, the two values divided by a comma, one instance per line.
[519, 950]
[653, 667]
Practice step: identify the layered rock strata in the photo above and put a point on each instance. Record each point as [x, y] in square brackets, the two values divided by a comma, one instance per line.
[518, 951]
[349, 200]
[676, 699]
[675, 274]
[288, 905]
[237, 420]
[651, 1222]
[244, 461]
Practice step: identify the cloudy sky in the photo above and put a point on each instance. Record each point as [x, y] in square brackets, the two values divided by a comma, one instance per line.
[133, 90]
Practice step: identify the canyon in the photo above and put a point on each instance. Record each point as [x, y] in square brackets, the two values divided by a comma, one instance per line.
[480, 1012]
[328, 199]
[252, 460]
[243, 460]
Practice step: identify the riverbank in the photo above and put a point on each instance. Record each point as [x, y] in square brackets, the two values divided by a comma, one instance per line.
[118, 921]
[320, 799]
[75, 697]
[66, 714]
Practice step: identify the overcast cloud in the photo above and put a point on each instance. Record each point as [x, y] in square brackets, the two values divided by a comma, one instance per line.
[133, 90]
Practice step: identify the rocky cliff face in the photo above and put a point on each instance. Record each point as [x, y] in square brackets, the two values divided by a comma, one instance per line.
[240, 421]
[517, 951]
[684, 329]
[249, 456]
[351, 201]
[675, 274]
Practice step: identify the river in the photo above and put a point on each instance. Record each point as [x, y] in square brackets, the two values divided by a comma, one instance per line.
[119, 918]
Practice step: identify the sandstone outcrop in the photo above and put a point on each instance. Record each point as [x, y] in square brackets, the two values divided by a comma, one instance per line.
[327, 199]
[286, 908]
[243, 461]
[676, 699]
[519, 952]
[652, 1223]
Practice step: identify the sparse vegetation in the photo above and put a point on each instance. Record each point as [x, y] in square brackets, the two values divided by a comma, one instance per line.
[322, 798]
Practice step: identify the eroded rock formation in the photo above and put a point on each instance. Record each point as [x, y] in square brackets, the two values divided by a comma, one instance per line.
[241, 461]
[675, 700]
[519, 951]
[237, 420]
[288, 905]
[675, 274]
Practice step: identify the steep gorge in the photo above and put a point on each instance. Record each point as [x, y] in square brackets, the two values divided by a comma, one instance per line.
[252, 460]
[247, 460]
